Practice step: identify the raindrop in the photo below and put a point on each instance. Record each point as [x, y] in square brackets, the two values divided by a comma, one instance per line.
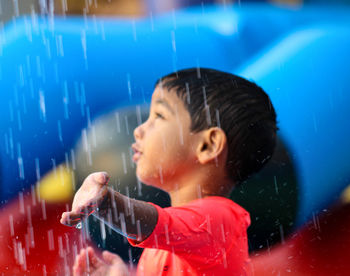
[134, 34]
[34, 19]
[60, 247]
[217, 118]
[129, 86]
[138, 227]
[161, 174]
[66, 157]
[275, 181]
[53, 161]
[117, 121]
[109, 220]
[73, 159]
[16, 8]
[173, 41]
[224, 257]
[11, 144]
[64, 6]
[188, 93]
[139, 187]
[282, 233]
[86, 146]
[37, 169]
[31, 236]
[138, 115]
[21, 202]
[21, 75]
[199, 191]
[124, 163]
[131, 163]
[65, 100]
[29, 216]
[103, 231]
[88, 118]
[126, 125]
[95, 23]
[83, 43]
[12, 231]
[103, 31]
[166, 228]
[122, 223]
[50, 240]
[33, 195]
[223, 233]
[59, 131]
[151, 20]
[42, 106]
[15, 250]
[130, 256]
[43, 208]
[66, 238]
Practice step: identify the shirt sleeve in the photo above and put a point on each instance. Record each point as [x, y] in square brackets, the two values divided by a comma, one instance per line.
[203, 229]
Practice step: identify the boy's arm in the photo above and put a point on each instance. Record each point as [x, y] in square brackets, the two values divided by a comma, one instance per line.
[134, 218]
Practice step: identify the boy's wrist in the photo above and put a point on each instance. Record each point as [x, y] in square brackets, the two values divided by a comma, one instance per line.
[134, 218]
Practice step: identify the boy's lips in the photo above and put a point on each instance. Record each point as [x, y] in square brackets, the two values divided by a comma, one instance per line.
[137, 152]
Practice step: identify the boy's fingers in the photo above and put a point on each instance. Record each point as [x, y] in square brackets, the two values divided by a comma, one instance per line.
[71, 219]
[79, 264]
[111, 258]
[94, 260]
[100, 177]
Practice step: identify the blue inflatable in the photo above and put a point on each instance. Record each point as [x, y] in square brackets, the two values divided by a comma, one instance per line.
[57, 74]
[306, 75]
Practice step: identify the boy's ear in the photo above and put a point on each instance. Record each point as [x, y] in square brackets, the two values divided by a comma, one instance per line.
[212, 144]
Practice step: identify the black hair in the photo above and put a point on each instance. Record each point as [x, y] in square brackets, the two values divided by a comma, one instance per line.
[239, 107]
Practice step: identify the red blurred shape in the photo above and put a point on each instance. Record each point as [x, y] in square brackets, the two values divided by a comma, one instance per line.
[321, 248]
[33, 242]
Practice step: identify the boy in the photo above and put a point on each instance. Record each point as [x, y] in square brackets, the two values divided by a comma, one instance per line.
[206, 133]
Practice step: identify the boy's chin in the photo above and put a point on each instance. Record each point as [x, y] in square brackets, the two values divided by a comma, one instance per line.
[149, 181]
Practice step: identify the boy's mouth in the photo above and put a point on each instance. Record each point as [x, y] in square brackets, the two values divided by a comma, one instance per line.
[137, 152]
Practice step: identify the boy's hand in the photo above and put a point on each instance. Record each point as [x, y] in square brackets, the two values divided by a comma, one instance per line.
[88, 263]
[87, 199]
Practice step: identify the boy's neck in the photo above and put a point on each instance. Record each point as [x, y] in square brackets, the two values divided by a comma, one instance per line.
[200, 187]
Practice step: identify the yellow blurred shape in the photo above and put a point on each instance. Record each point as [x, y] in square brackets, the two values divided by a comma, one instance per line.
[346, 195]
[57, 185]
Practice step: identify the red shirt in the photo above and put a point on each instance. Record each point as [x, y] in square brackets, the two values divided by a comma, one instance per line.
[205, 237]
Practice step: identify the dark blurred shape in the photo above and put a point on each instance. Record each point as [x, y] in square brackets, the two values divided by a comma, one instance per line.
[271, 197]
[106, 146]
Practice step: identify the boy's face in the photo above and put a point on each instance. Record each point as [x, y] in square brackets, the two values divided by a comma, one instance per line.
[164, 147]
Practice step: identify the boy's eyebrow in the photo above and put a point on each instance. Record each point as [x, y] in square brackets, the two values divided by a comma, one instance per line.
[165, 104]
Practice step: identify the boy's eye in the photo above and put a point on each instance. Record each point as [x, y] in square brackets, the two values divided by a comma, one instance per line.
[158, 115]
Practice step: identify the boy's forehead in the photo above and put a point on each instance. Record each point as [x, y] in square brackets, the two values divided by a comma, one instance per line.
[164, 94]
[159, 92]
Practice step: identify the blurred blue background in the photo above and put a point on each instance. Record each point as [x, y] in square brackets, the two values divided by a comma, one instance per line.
[64, 65]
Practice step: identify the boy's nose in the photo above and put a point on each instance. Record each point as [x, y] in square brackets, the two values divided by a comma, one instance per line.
[138, 132]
